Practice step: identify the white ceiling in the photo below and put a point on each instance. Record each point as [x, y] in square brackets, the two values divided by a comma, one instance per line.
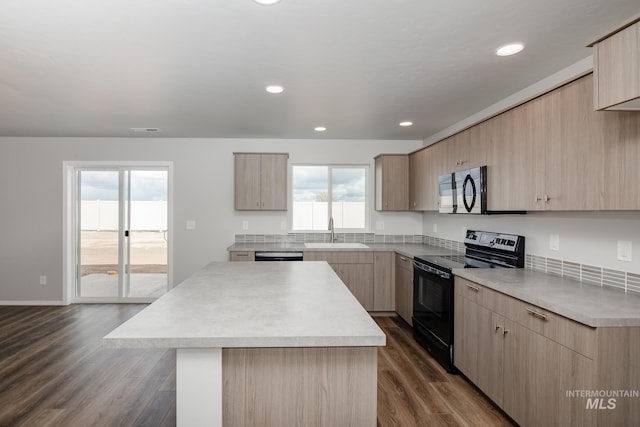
[198, 68]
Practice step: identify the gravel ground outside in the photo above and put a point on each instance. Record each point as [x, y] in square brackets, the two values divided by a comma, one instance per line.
[99, 252]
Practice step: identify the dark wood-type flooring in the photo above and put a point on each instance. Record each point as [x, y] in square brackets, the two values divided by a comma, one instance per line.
[55, 372]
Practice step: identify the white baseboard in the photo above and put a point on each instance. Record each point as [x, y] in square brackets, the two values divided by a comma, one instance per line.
[32, 302]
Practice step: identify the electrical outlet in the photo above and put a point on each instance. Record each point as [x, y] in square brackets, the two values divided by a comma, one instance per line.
[191, 225]
[435, 228]
[283, 225]
[245, 225]
[379, 225]
[625, 248]
[43, 280]
[554, 242]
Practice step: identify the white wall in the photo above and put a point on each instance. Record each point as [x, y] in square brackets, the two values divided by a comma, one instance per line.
[585, 237]
[31, 191]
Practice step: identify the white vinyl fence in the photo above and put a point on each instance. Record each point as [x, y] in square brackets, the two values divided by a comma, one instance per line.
[315, 215]
[100, 215]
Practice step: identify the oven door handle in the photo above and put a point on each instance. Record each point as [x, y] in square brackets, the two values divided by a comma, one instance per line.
[422, 268]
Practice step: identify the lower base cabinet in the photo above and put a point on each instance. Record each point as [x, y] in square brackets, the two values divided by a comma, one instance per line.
[404, 288]
[355, 269]
[536, 365]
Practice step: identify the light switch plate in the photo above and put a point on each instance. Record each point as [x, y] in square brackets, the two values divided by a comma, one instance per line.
[435, 228]
[283, 225]
[245, 225]
[191, 225]
[554, 242]
[625, 248]
[379, 225]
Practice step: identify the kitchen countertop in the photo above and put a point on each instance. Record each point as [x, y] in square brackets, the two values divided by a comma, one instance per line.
[227, 304]
[591, 305]
[407, 249]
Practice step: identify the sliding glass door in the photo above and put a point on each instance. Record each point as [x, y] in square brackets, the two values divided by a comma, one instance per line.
[122, 233]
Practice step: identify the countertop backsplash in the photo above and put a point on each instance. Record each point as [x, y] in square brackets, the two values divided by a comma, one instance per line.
[590, 274]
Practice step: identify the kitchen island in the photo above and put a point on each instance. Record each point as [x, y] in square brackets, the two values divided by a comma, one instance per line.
[264, 344]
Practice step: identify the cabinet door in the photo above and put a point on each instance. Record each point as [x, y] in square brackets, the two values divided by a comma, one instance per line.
[575, 150]
[419, 181]
[247, 181]
[392, 182]
[622, 151]
[510, 171]
[404, 293]
[359, 280]
[384, 281]
[273, 177]
[465, 337]
[549, 371]
[617, 68]
[491, 337]
[457, 151]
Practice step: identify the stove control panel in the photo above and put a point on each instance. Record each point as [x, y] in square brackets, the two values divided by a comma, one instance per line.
[507, 242]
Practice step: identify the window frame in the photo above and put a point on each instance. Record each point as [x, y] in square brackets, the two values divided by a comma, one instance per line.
[331, 166]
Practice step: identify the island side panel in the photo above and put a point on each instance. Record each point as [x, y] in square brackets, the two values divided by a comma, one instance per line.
[319, 386]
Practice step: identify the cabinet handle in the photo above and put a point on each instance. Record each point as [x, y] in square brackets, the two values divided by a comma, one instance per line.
[402, 258]
[258, 204]
[537, 314]
[473, 288]
[546, 198]
[497, 328]
[504, 332]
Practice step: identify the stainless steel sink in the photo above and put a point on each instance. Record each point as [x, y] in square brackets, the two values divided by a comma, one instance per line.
[336, 246]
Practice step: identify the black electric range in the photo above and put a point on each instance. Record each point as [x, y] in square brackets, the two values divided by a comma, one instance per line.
[433, 286]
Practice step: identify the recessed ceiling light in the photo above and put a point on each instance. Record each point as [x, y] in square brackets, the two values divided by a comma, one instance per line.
[509, 49]
[320, 129]
[405, 123]
[266, 2]
[274, 89]
[145, 129]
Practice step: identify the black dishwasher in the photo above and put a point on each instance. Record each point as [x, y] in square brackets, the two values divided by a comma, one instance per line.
[279, 256]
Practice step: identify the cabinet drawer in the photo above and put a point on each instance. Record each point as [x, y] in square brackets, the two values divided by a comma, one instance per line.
[571, 334]
[404, 262]
[340, 257]
[242, 256]
[469, 290]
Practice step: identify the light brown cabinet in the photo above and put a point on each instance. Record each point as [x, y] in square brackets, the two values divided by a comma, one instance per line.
[404, 287]
[621, 158]
[355, 269]
[392, 182]
[422, 186]
[526, 359]
[384, 290]
[242, 256]
[260, 181]
[616, 67]
[549, 153]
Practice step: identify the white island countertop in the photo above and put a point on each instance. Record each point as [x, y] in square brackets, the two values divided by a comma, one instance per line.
[245, 304]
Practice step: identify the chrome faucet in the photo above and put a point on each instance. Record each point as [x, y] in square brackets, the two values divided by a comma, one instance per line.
[333, 234]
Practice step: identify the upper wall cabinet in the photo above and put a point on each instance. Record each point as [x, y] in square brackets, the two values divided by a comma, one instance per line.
[392, 182]
[616, 67]
[261, 181]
